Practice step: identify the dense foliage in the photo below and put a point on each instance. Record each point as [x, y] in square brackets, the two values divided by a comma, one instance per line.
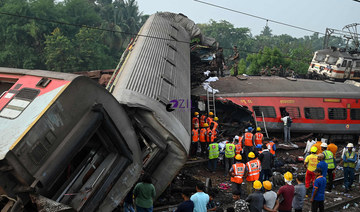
[49, 34]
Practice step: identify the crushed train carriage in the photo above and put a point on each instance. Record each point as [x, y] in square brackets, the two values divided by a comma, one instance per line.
[70, 145]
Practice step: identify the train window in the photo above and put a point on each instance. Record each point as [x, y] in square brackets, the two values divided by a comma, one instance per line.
[337, 113]
[320, 57]
[5, 85]
[355, 114]
[314, 112]
[18, 104]
[357, 63]
[294, 112]
[344, 63]
[332, 60]
[268, 111]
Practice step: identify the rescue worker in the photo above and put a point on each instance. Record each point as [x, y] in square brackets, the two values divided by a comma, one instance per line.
[202, 139]
[259, 137]
[214, 128]
[248, 143]
[210, 135]
[213, 156]
[237, 173]
[310, 163]
[266, 159]
[202, 120]
[253, 168]
[349, 160]
[194, 141]
[333, 148]
[210, 118]
[258, 150]
[229, 156]
[195, 120]
[330, 160]
[235, 58]
[238, 146]
[271, 147]
[318, 147]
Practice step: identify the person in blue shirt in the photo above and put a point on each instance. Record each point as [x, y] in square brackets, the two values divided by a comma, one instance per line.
[318, 194]
[187, 205]
[200, 198]
[322, 165]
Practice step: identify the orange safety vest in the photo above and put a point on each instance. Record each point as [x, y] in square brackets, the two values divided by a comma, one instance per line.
[258, 138]
[215, 125]
[248, 139]
[195, 135]
[238, 148]
[202, 120]
[239, 171]
[209, 135]
[195, 122]
[270, 146]
[254, 170]
[203, 135]
[209, 120]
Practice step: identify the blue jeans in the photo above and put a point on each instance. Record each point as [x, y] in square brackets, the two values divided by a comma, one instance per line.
[128, 207]
[286, 134]
[140, 209]
[265, 174]
[212, 164]
[349, 175]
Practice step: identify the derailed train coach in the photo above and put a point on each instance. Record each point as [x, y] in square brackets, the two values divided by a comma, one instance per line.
[68, 144]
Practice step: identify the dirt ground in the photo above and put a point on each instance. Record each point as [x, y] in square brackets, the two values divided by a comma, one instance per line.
[221, 185]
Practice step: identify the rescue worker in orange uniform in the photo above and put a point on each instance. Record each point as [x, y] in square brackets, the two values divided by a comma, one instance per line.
[202, 120]
[210, 135]
[210, 118]
[259, 137]
[252, 172]
[238, 145]
[202, 139]
[237, 173]
[318, 147]
[215, 126]
[194, 141]
[271, 147]
[248, 143]
[195, 121]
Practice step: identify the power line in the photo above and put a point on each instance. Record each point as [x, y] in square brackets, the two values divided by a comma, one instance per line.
[258, 17]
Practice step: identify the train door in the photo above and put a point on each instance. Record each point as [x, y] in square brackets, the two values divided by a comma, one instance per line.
[348, 67]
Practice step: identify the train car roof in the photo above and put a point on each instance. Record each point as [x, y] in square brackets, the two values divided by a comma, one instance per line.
[335, 53]
[278, 86]
[39, 73]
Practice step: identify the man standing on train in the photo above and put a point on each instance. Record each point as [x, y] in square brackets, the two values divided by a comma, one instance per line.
[287, 124]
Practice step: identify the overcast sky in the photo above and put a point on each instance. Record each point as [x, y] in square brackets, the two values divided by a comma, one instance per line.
[315, 15]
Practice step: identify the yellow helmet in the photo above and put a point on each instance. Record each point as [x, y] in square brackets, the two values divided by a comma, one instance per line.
[258, 129]
[267, 185]
[206, 125]
[257, 184]
[288, 176]
[211, 114]
[216, 118]
[238, 157]
[196, 114]
[313, 149]
[251, 155]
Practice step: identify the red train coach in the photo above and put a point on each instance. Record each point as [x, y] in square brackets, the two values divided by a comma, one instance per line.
[315, 106]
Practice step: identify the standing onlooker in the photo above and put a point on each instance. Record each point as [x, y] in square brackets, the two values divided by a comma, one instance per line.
[269, 197]
[128, 202]
[286, 194]
[144, 193]
[211, 206]
[240, 204]
[310, 142]
[349, 160]
[322, 165]
[256, 199]
[318, 194]
[311, 162]
[200, 199]
[187, 205]
[299, 194]
[229, 156]
[219, 57]
[287, 124]
[266, 159]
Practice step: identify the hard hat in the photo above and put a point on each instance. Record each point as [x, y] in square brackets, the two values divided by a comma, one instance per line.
[251, 155]
[238, 157]
[323, 145]
[250, 129]
[313, 149]
[258, 129]
[259, 146]
[236, 137]
[257, 184]
[267, 185]
[206, 125]
[211, 114]
[288, 176]
[349, 145]
[216, 118]
[196, 114]
[246, 130]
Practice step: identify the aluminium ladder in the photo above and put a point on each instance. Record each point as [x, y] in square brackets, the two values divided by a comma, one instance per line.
[210, 96]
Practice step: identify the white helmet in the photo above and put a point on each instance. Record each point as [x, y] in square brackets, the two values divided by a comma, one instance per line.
[350, 145]
[236, 137]
[323, 145]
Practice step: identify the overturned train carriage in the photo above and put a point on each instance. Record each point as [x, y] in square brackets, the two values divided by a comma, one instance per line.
[66, 143]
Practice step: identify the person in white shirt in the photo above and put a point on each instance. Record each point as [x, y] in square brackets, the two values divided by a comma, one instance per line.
[309, 144]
